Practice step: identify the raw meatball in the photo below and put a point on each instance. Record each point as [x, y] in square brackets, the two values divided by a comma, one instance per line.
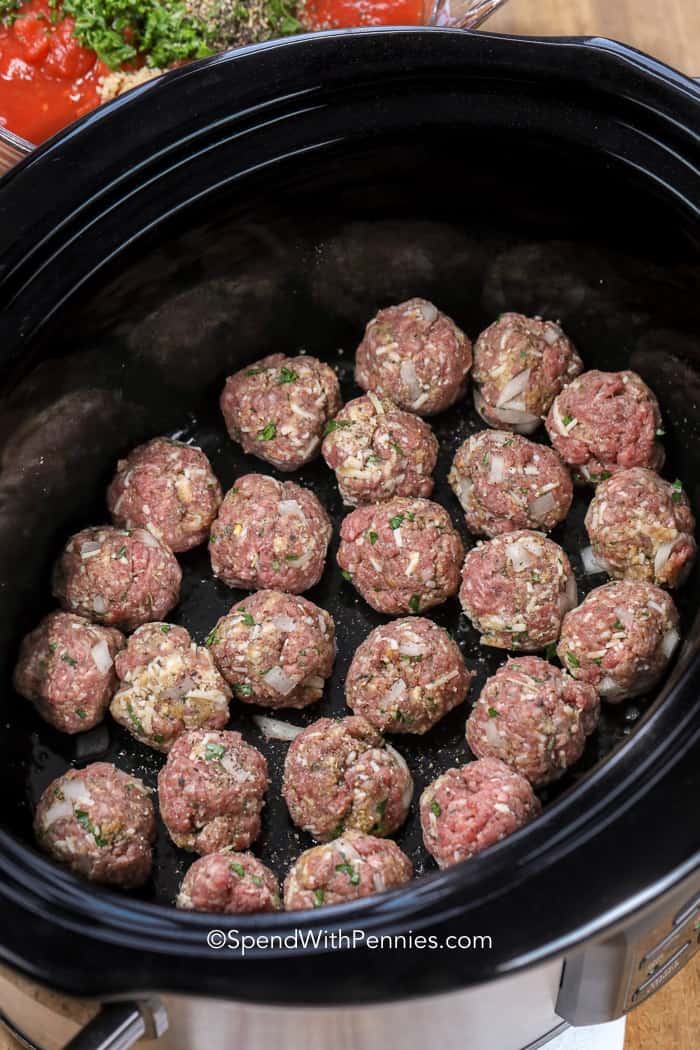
[520, 365]
[641, 528]
[516, 590]
[275, 649]
[168, 488]
[211, 791]
[378, 451]
[229, 883]
[472, 807]
[415, 355]
[352, 866]
[406, 676]
[339, 774]
[269, 535]
[604, 422]
[169, 685]
[505, 482]
[620, 638]
[278, 408]
[66, 669]
[100, 822]
[402, 556]
[533, 717]
[117, 577]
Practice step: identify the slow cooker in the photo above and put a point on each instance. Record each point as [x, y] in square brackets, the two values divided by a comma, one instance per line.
[275, 197]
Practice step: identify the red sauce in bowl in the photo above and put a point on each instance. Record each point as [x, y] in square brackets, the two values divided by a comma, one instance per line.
[345, 14]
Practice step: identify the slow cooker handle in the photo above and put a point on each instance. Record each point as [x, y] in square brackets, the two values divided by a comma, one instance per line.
[118, 1026]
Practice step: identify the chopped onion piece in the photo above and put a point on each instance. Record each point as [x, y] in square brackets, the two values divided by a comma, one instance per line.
[522, 422]
[314, 682]
[89, 549]
[378, 407]
[409, 378]
[492, 735]
[513, 388]
[607, 686]
[497, 471]
[542, 506]
[559, 423]
[285, 507]
[378, 882]
[412, 649]
[280, 681]
[101, 656]
[147, 538]
[59, 810]
[428, 312]
[442, 680]
[408, 790]
[99, 604]
[273, 729]
[592, 564]
[570, 596]
[283, 623]
[76, 791]
[519, 556]
[663, 553]
[670, 641]
[551, 334]
[397, 691]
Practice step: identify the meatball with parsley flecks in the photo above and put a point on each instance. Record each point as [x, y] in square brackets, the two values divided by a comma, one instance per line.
[229, 883]
[277, 408]
[402, 556]
[269, 535]
[516, 590]
[505, 482]
[472, 807]
[641, 528]
[406, 676]
[378, 451]
[117, 577]
[620, 638]
[212, 790]
[340, 774]
[534, 717]
[99, 822]
[275, 649]
[168, 488]
[66, 669]
[415, 355]
[169, 685]
[353, 865]
[520, 365]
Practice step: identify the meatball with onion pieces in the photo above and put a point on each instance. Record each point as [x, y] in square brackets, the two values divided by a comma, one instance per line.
[402, 556]
[505, 482]
[533, 717]
[406, 676]
[620, 638]
[277, 408]
[352, 866]
[117, 577]
[641, 528]
[340, 774]
[516, 590]
[269, 535]
[275, 649]
[520, 365]
[99, 822]
[169, 685]
[472, 807]
[415, 355]
[604, 422]
[212, 790]
[378, 451]
[66, 669]
[168, 488]
[229, 883]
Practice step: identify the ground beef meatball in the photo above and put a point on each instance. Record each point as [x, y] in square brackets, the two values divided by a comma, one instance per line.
[117, 577]
[100, 822]
[620, 638]
[339, 774]
[505, 482]
[275, 649]
[269, 535]
[472, 807]
[229, 883]
[415, 355]
[278, 408]
[168, 488]
[66, 669]
[641, 528]
[406, 676]
[211, 791]
[520, 365]
[169, 685]
[603, 422]
[533, 717]
[402, 556]
[352, 866]
[378, 451]
[516, 590]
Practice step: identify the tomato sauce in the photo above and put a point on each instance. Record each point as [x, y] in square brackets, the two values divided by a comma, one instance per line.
[346, 14]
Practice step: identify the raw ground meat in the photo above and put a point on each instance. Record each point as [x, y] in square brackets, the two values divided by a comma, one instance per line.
[229, 883]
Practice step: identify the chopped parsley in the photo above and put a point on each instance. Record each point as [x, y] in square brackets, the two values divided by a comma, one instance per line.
[53, 646]
[136, 721]
[493, 713]
[268, 432]
[213, 752]
[551, 651]
[275, 564]
[617, 626]
[397, 449]
[573, 660]
[319, 897]
[435, 807]
[237, 868]
[603, 476]
[81, 713]
[247, 619]
[660, 432]
[414, 603]
[677, 493]
[336, 424]
[244, 688]
[353, 876]
[121, 554]
[346, 575]
[256, 880]
[288, 375]
[292, 557]
[83, 819]
[165, 628]
[254, 371]
[68, 659]
[566, 420]
[211, 639]
[373, 538]
[373, 459]
[396, 521]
